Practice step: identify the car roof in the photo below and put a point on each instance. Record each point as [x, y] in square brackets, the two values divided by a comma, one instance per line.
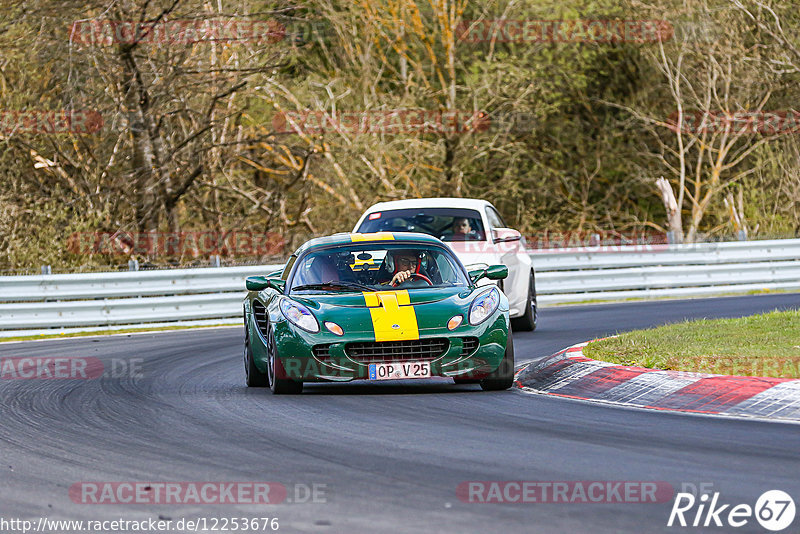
[345, 238]
[443, 202]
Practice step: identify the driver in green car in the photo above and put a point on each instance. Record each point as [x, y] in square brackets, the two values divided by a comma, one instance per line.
[402, 265]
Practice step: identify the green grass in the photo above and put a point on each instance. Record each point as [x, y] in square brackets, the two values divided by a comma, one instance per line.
[758, 345]
[108, 332]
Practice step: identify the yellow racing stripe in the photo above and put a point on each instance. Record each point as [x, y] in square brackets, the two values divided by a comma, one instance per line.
[393, 316]
[377, 236]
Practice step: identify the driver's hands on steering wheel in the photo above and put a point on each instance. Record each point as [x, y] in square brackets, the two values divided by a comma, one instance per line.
[400, 277]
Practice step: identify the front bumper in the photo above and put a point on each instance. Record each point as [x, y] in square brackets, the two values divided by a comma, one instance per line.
[467, 352]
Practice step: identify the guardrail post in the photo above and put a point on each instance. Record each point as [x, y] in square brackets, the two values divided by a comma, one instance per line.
[46, 269]
[133, 265]
[742, 235]
[215, 260]
[670, 238]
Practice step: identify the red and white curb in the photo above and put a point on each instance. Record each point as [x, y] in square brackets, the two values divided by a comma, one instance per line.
[570, 374]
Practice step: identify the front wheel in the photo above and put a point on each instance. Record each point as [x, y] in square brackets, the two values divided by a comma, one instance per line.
[276, 375]
[503, 376]
[253, 377]
[527, 322]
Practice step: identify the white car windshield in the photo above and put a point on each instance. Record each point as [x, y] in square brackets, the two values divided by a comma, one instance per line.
[373, 267]
[447, 224]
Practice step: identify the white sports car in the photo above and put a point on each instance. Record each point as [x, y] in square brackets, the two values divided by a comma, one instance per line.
[476, 233]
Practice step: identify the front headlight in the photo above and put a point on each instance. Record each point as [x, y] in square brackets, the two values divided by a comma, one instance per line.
[483, 306]
[299, 315]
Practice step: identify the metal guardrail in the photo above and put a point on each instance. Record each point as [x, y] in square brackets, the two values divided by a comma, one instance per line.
[51, 303]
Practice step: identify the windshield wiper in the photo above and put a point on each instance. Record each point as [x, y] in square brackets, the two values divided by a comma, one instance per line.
[353, 286]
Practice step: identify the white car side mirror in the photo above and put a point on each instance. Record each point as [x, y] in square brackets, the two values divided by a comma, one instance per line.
[505, 235]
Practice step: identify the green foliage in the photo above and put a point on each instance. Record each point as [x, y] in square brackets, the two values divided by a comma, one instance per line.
[567, 150]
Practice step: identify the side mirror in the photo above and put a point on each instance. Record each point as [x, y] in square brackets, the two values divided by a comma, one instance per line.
[260, 283]
[476, 274]
[505, 235]
[277, 284]
[496, 272]
[492, 272]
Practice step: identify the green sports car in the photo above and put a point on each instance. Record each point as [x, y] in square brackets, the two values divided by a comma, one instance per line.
[379, 306]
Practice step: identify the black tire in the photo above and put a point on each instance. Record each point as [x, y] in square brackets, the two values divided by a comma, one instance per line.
[503, 376]
[527, 323]
[275, 373]
[253, 377]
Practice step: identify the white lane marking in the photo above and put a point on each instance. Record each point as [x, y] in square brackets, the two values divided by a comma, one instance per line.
[77, 338]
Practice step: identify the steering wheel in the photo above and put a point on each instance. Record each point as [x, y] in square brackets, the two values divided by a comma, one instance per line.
[415, 275]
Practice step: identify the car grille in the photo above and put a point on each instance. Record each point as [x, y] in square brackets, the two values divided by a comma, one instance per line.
[395, 351]
[260, 314]
[322, 352]
[470, 345]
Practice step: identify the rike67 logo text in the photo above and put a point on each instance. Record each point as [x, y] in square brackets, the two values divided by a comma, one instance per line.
[774, 510]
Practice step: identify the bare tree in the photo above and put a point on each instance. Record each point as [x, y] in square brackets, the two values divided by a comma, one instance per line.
[718, 92]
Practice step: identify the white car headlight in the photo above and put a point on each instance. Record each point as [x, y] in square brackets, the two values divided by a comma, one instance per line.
[483, 306]
[299, 315]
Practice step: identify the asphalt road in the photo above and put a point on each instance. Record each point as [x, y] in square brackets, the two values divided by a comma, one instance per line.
[390, 456]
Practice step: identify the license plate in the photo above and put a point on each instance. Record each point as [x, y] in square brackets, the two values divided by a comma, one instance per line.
[399, 370]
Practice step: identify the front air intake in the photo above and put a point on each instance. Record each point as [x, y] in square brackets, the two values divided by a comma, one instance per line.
[470, 345]
[397, 351]
[260, 315]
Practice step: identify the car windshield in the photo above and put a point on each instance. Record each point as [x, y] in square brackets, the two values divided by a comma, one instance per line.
[374, 267]
[448, 224]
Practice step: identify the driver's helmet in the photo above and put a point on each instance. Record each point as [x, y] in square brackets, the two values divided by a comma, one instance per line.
[394, 259]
